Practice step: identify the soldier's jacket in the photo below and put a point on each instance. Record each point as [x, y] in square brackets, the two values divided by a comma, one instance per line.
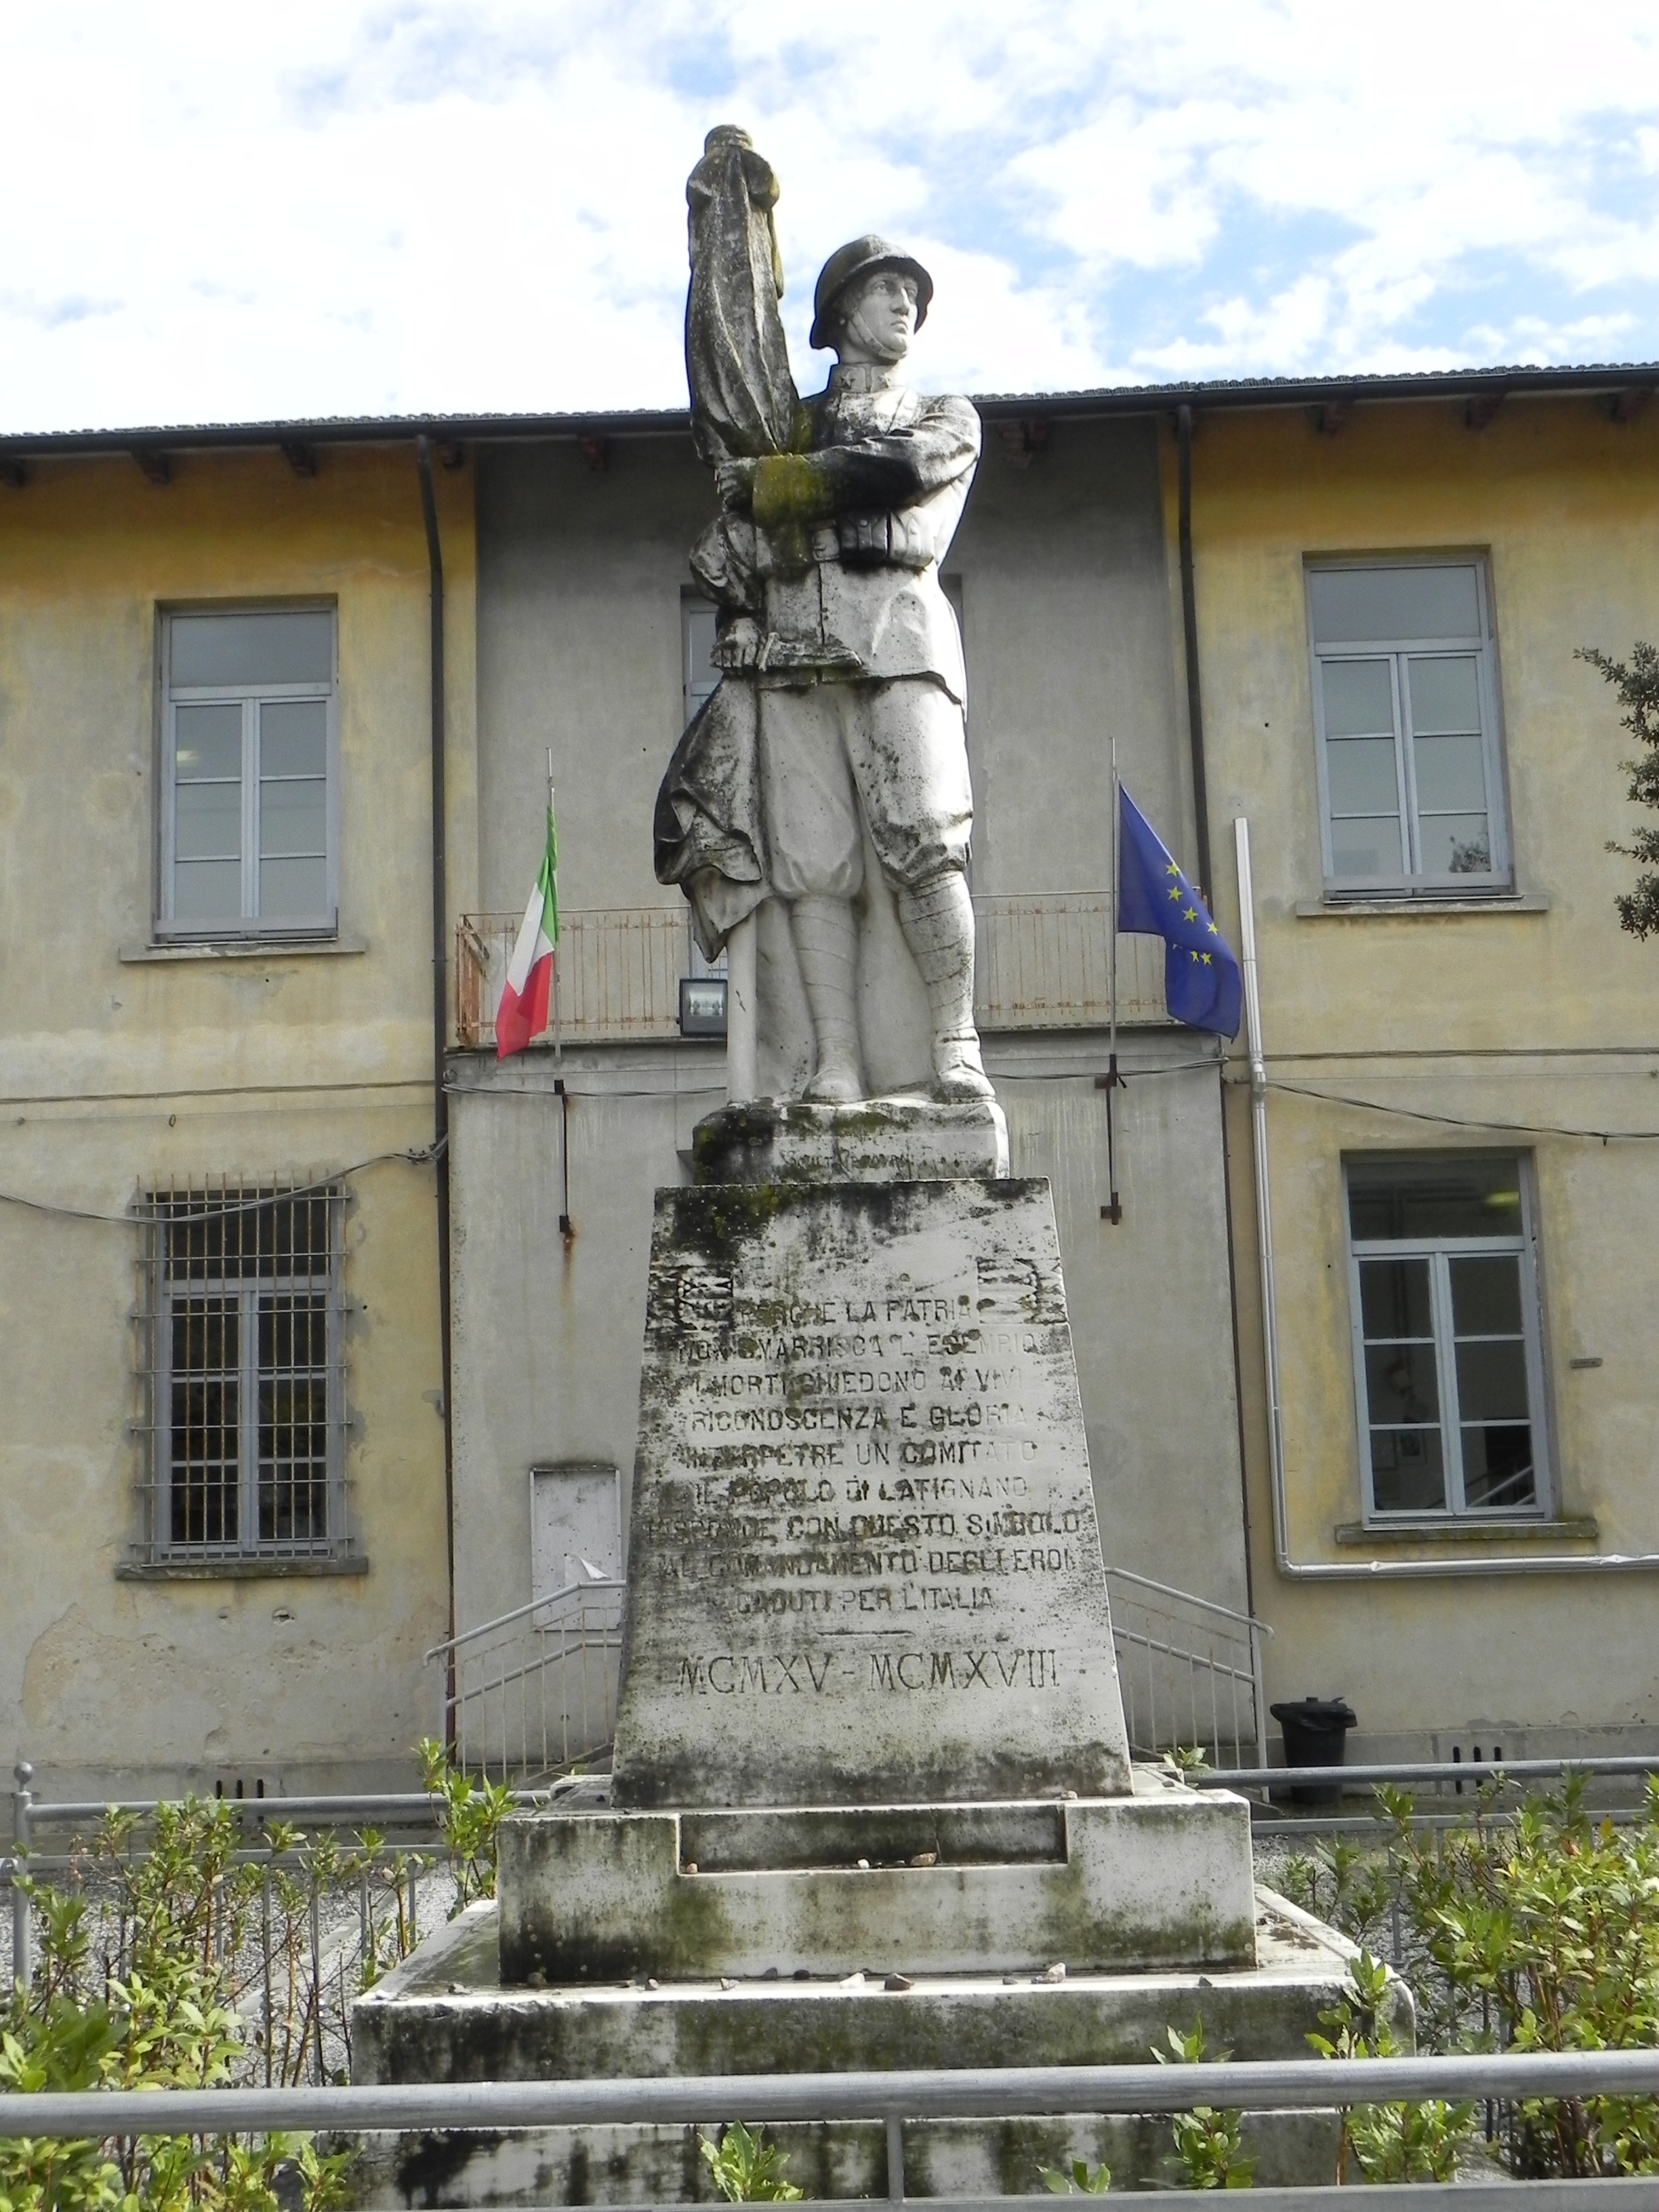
[840, 569]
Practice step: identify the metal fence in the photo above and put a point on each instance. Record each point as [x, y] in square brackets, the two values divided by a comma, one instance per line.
[1045, 963]
[1189, 1670]
[893, 2099]
[333, 1909]
[618, 971]
[1445, 1776]
[1041, 962]
[535, 1689]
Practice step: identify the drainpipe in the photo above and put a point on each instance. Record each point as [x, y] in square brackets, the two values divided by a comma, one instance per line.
[1201, 823]
[1189, 628]
[440, 1040]
[1342, 1571]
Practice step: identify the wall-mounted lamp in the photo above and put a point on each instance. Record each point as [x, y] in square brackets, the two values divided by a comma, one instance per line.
[703, 1006]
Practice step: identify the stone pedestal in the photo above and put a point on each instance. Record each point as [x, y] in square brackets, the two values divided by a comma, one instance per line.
[1158, 1879]
[879, 1141]
[447, 2014]
[871, 1803]
[863, 1562]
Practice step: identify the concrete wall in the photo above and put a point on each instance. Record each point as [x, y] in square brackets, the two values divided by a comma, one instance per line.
[117, 1071]
[1065, 592]
[1540, 1018]
[1068, 621]
[549, 1328]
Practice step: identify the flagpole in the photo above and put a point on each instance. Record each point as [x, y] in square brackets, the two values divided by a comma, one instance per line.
[1113, 1211]
[558, 1040]
[1117, 822]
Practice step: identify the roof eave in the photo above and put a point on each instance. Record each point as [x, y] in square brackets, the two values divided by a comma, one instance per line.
[1587, 380]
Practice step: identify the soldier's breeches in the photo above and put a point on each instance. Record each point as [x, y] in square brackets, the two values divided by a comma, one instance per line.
[899, 748]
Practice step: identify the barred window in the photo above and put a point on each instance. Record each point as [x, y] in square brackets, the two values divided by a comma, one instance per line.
[244, 1383]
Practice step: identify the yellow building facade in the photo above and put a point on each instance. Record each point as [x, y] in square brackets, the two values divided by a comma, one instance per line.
[232, 1522]
[1459, 1530]
[221, 1459]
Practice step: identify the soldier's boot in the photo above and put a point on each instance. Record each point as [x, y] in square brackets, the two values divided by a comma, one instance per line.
[826, 944]
[938, 921]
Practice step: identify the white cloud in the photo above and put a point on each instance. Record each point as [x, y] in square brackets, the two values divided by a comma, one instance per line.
[423, 205]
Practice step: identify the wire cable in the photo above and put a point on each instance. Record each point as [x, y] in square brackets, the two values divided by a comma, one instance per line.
[421, 1156]
[1458, 1121]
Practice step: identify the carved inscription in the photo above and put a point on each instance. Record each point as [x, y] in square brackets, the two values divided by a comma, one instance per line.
[862, 1520]
[859, 1461]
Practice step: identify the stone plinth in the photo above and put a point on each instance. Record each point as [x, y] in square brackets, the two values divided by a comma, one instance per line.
[879, 1141]
[1162, 1879]
[863, 1563]
[444, 2015]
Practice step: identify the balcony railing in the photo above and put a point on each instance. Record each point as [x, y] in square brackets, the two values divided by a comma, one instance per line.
[1041, 962]
[619, 970]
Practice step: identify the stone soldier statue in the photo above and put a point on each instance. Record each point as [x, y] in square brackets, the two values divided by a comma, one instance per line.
[842, 703]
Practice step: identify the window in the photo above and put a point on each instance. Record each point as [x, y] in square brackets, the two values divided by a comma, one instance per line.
[699, 673]
[1447, 1351]
[244, 1385]
[248, 747]
[1406, 702]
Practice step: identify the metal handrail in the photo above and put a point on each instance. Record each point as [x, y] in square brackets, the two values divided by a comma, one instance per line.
[1512, 1769]
[340, 1812]
[976, 2092]
[1174, 1652]
[1186, 1597]
[534, 1605]
[601, 1639]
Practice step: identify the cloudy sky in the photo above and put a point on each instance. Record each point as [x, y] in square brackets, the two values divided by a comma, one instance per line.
[237, 210]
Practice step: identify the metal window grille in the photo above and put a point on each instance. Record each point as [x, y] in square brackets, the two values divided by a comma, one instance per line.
[239, 1325]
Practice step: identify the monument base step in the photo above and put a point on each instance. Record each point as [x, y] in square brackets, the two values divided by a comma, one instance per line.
[1160, 1878]
[972, 2165]
[444, 2015]
[897, 1140]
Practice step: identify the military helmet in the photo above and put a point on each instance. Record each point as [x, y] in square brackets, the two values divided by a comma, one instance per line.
[859, 257]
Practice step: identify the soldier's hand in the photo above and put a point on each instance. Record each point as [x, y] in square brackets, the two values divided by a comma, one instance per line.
[737, 645]
[735, 483]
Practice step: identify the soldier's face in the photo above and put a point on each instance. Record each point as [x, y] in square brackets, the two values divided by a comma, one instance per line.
[878, 319]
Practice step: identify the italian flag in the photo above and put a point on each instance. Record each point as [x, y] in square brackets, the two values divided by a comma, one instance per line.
[522, 1013]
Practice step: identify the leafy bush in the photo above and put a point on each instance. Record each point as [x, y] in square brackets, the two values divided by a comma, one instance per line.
[747, 2169]
[1209, 2145]
[157, 2013]
[1536, 1928]
[1418, 2142]
[1637, 682]
[1077, 2179]
[469, 1820]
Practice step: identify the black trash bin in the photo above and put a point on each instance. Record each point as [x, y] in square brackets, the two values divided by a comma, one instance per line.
[1316, 1731]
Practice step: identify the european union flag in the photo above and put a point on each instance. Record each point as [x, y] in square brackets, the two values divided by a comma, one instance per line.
[1202, 986]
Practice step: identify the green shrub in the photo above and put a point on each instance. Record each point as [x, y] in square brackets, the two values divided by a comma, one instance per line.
[747, 2169]
[156, 2013]
[1209, 2144]
[1077, 2179]
[1531, 1929]
[1416, 2141]
[470, 1817]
